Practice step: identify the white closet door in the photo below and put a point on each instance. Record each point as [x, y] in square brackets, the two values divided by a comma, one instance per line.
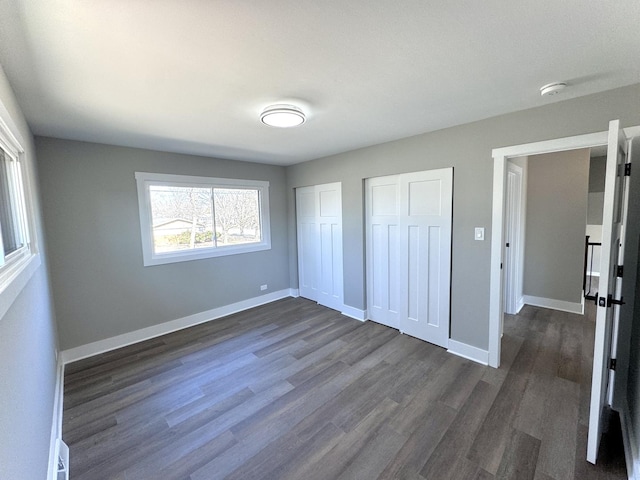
[425, 226]
[383, 214]
[307, 248]
[329, 220]
[319, 227]
[409, 252]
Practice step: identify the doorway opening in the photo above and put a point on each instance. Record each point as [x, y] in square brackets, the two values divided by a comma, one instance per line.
[616, 140]
[550, 211]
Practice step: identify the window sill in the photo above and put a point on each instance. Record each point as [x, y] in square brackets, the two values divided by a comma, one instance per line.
[15, 278]
[175, 257]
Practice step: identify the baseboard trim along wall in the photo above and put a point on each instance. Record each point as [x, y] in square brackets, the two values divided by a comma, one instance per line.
[119, 341]
[469, 352]
[355, 313]
[632, 459]
[553, 304]
[519, 304]
[294, 292]
[56, 421]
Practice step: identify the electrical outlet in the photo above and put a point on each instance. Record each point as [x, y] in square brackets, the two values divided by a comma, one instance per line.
[263, 287]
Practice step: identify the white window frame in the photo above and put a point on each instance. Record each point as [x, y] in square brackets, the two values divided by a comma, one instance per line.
[17, 267]
[145, 179]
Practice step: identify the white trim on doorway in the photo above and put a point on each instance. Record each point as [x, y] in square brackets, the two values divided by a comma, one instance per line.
[500, 157]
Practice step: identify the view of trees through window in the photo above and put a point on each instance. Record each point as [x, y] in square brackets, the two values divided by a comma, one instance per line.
[194, 217]
[11, 206]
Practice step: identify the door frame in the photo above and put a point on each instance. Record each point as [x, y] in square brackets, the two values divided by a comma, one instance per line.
[500, 158]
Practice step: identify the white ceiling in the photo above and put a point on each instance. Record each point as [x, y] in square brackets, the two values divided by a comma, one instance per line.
[192, 76]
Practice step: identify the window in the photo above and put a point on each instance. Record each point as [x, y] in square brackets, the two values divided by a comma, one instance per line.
[15, 245]
[187, 218]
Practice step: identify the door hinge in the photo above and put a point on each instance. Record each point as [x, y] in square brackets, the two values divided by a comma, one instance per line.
[612, 364]
[612, 301]
[619, 270]
[627, 169]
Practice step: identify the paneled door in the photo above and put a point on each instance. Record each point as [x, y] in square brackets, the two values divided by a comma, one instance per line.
[513, 241]
[610, 285]
[409, 252]
[319, 228]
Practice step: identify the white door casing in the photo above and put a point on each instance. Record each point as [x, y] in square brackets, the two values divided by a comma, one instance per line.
[409, 252]
[319, 229]
[500, 158]
[612, 243]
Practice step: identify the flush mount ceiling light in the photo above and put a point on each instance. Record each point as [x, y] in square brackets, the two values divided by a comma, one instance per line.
[283, 116]
[552, 88]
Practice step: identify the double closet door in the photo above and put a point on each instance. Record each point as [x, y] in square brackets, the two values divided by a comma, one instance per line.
[408, 236]
[319, 228]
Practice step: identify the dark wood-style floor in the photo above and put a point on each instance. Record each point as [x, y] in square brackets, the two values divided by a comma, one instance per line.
[292, 390]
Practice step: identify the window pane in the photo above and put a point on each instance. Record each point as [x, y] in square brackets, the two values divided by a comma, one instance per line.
[237, 216]
[182, 218]
[9, 219]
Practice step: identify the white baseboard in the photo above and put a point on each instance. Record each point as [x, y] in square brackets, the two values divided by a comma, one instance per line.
[119, 341]
[56, 421]
[562, 305]
[631, 455]
[354, 313]
[519, 305]
[468, 351]
[294, 292]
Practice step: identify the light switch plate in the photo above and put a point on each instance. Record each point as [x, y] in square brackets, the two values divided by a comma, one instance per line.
[479, 233]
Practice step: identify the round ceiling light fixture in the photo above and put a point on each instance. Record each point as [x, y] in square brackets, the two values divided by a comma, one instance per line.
[282, 116]
[552, 88]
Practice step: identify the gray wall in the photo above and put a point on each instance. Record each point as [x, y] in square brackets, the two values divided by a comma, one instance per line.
[467, 148]
[27, 355]
[557, 190]
[596, 190]
[100, 286]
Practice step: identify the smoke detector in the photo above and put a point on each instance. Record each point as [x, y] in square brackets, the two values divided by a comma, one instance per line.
[552, 88]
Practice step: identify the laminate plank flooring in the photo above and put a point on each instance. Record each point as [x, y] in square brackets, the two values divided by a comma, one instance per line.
[292, 390]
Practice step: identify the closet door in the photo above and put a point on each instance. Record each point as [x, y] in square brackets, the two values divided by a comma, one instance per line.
[382, 237]
[319, 226]
[307, 248]
[329, 220]
[425, 239]
[409, 252]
